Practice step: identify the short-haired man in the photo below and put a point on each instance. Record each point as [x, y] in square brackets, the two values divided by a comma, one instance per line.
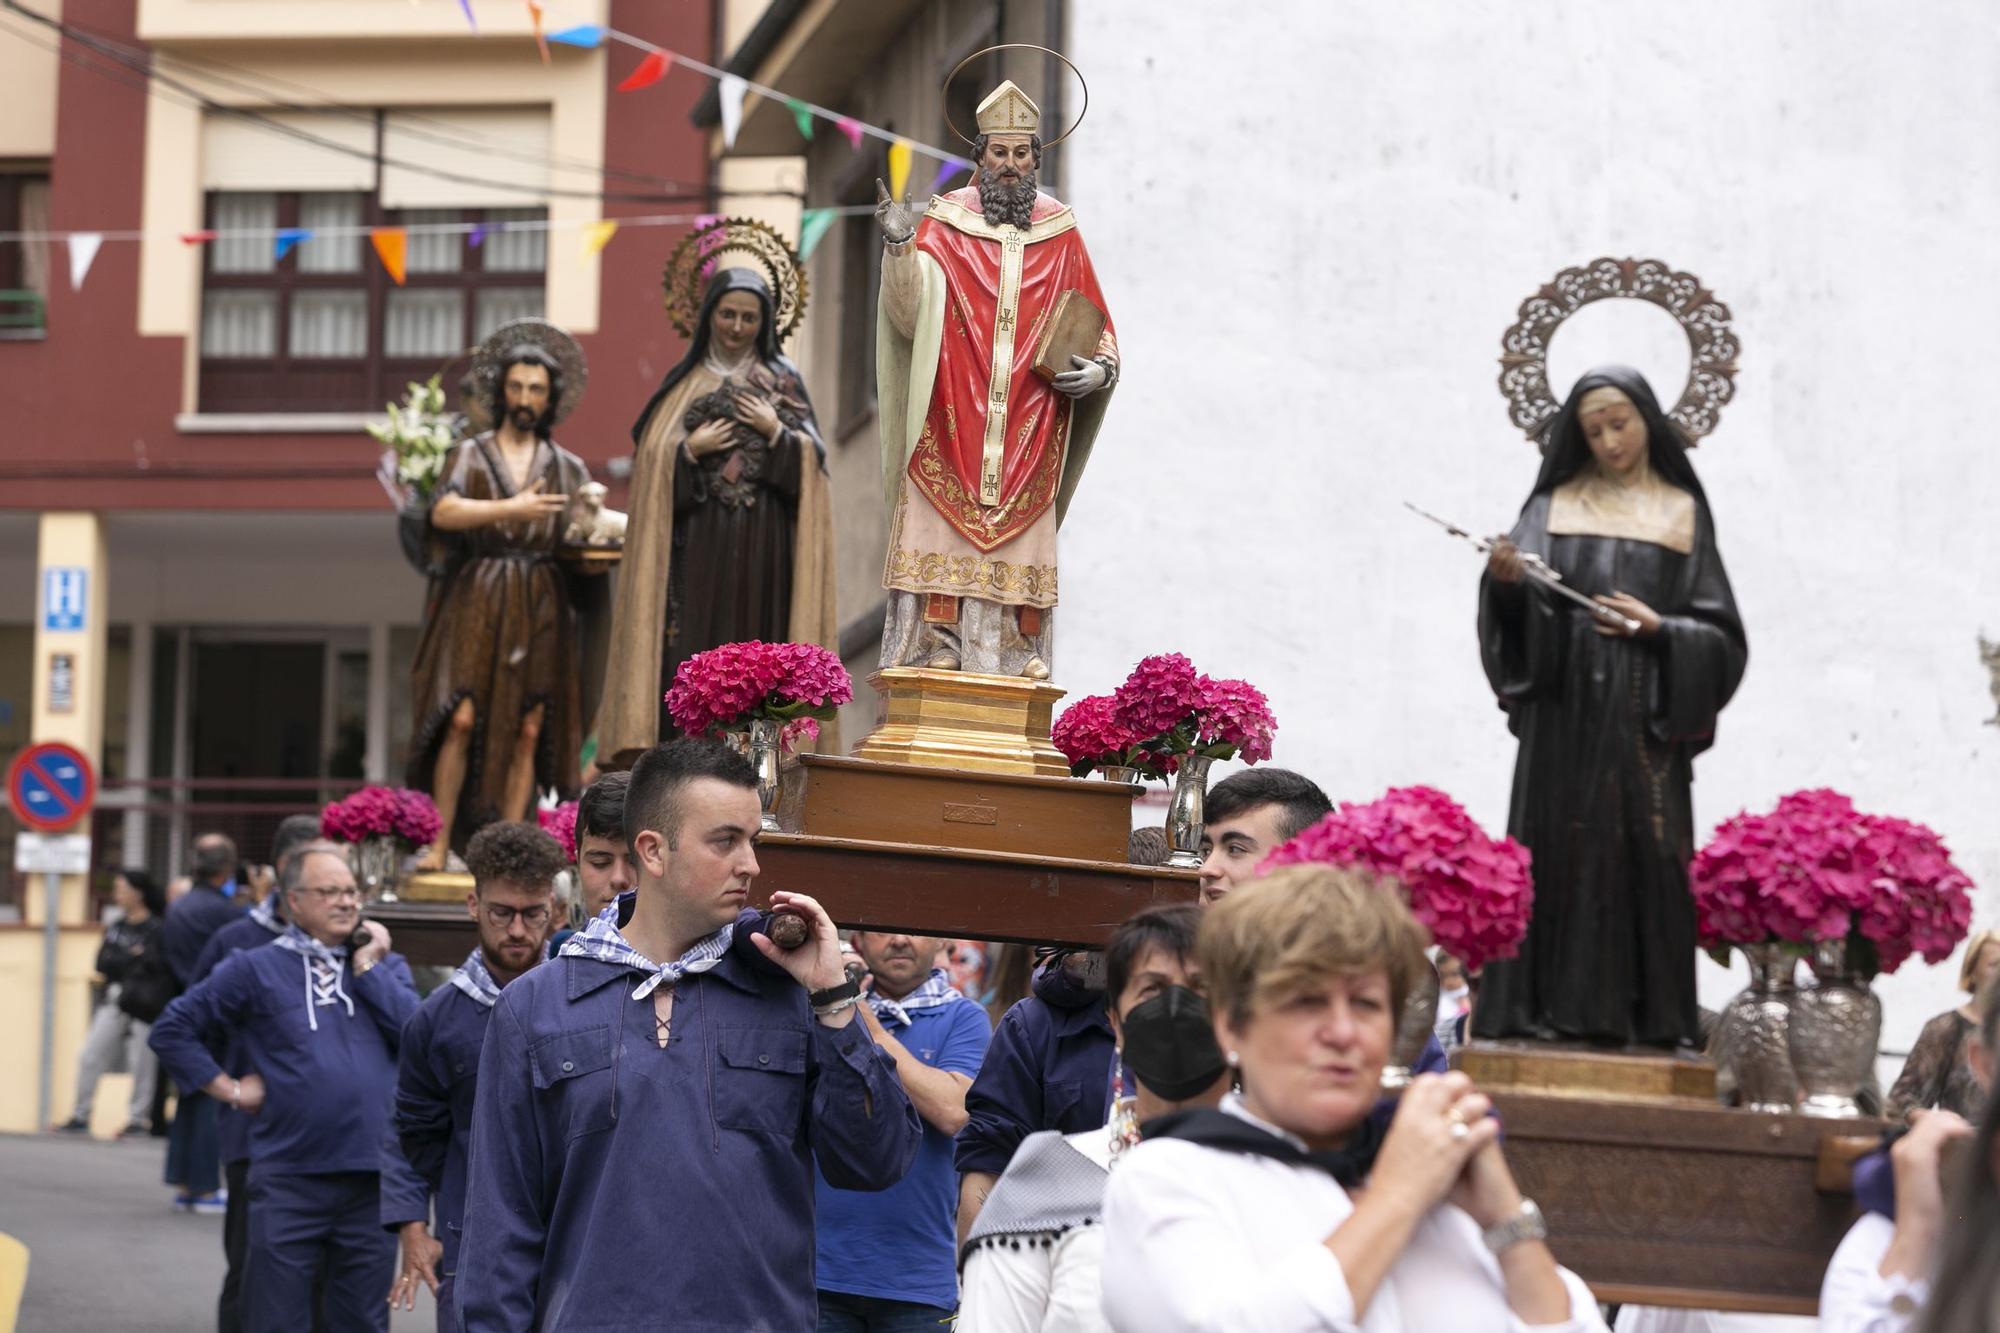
[888, 1261]
[193, 1146]
[319, 1022]
[512, 906]
[260, 925]
[604, 867]
[645, 1131]
[1248, 816]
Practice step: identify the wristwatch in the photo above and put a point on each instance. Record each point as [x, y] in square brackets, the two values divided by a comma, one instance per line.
[832, 995]
[1528, 1224]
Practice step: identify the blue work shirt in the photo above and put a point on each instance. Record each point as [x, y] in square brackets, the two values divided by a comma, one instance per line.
[192, 919]
[437, 1074]
[901, 1244]
[245, 932]
[327, 1088]
[1047, 1068]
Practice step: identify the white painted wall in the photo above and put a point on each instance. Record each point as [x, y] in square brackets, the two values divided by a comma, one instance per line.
[1312, 228]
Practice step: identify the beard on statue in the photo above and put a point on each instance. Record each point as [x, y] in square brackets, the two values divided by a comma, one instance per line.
[1007, 196]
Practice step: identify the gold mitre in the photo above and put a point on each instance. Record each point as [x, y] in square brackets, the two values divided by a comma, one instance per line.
[1008, 110]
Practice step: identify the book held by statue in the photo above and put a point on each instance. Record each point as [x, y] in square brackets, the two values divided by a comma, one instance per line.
[1074, 329]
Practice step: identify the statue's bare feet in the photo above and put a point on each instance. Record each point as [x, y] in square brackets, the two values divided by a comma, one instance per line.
[431, 858]
[943, 660]
[1036, 669]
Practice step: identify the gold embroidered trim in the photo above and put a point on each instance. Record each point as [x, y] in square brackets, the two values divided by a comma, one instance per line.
[973, 223]
[970, 576]
[1006, 310]
[986, 527]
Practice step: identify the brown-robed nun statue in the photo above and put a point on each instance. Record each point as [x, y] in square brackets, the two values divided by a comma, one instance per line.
[730, 535]
[1609, 719]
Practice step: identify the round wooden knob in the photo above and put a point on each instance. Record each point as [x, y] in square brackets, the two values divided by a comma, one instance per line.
[789, 928]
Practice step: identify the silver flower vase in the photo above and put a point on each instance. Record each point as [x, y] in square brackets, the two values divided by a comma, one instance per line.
[1414, 1027]
[1184, 813]
[1836, 1025]
[1120, 773]
[1752, 1042]
[375, 860]
[762, 752]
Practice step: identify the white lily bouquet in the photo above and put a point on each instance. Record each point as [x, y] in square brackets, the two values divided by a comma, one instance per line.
[419, 436]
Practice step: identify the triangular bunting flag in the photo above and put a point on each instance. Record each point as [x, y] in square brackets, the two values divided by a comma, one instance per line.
[813, 224]
[465, 7]
[850, 127]
[196, 237]
[535, 17]
[651, 70]
[477, 236]
[287, 239]
[945, 172]
[899, 168]
[82, 250]
[598, 235]
[589, 36]
[802, 116]
[731, 89]
[392, 247]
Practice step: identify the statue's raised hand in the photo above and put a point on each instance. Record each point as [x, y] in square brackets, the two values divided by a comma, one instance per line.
[898, 221]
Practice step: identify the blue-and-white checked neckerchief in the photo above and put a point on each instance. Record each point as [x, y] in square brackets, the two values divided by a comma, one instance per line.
[324, 965]
[476, 979]
[936, 990]
[600, 939]
[265, 914]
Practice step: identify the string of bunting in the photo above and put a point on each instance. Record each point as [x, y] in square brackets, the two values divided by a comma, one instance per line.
[391, 244]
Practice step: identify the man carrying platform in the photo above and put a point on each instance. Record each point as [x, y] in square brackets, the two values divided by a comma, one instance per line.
[644, 1132]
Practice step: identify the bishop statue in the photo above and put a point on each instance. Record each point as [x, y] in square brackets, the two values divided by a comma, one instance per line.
[983, 437]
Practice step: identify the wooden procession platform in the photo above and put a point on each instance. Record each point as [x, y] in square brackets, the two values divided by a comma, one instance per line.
[951, 823]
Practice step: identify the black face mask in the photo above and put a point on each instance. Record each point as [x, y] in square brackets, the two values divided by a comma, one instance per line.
[1170, 1044]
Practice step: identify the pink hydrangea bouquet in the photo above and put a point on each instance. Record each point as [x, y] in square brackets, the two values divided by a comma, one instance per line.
[559, 822]
[1175, 710]
[1473, 893]
[1816, 869]
[726, 687]
[1090, 736]
[408, 816]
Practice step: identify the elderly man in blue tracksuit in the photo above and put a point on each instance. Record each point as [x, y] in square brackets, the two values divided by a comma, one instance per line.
[319, 1025]
[512, 905]
[651, 1102]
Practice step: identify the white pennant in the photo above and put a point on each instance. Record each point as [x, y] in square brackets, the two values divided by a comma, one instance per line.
[731, 92]
[82, 253]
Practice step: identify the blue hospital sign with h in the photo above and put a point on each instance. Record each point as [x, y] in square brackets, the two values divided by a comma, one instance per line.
[65, 597]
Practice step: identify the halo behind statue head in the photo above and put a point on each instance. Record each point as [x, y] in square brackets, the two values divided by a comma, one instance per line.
[491, 355]
[1712, 344]
[1018, 46]
[755, 244]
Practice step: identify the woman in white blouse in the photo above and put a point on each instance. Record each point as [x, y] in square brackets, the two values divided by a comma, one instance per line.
[1031, 1262]
[1287, 1210]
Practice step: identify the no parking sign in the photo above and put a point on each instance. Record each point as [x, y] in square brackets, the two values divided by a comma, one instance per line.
[51, 786]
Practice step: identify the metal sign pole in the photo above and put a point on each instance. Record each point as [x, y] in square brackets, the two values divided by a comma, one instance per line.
[51, 936]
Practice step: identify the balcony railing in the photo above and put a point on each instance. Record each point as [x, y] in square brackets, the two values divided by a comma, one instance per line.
[23, 315]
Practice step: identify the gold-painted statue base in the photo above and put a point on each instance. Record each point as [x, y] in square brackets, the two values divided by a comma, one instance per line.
[1564, 1071]
[435, 886]
[964, 720]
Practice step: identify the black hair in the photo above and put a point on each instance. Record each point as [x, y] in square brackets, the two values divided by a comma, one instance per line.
[1567, 450]
[1171, 928]
[148, 888]
[214, 859]
[516, 853]
[1966, 1290]
[293, 832]
[525, 354]
[600, 811]
[1034, 142]
[1302, 804]
[653, 799]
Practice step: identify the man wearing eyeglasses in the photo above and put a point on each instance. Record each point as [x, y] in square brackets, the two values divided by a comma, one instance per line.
[512, 904]
[318, 1015]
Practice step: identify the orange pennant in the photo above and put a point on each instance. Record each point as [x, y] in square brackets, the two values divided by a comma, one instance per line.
[392, 246]
[650, 71]
[541, 40]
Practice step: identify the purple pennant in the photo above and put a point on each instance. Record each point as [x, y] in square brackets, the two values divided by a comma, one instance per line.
[477, 234]
[948, 169]
[470, 22]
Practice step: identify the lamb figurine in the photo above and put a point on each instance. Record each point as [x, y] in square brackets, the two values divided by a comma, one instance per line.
[590, 523]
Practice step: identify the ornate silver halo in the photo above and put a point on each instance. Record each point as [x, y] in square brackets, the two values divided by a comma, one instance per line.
[699, 255]
[1712, 344]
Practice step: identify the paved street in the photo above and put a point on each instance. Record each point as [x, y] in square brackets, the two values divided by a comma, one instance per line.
[105, 1250]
